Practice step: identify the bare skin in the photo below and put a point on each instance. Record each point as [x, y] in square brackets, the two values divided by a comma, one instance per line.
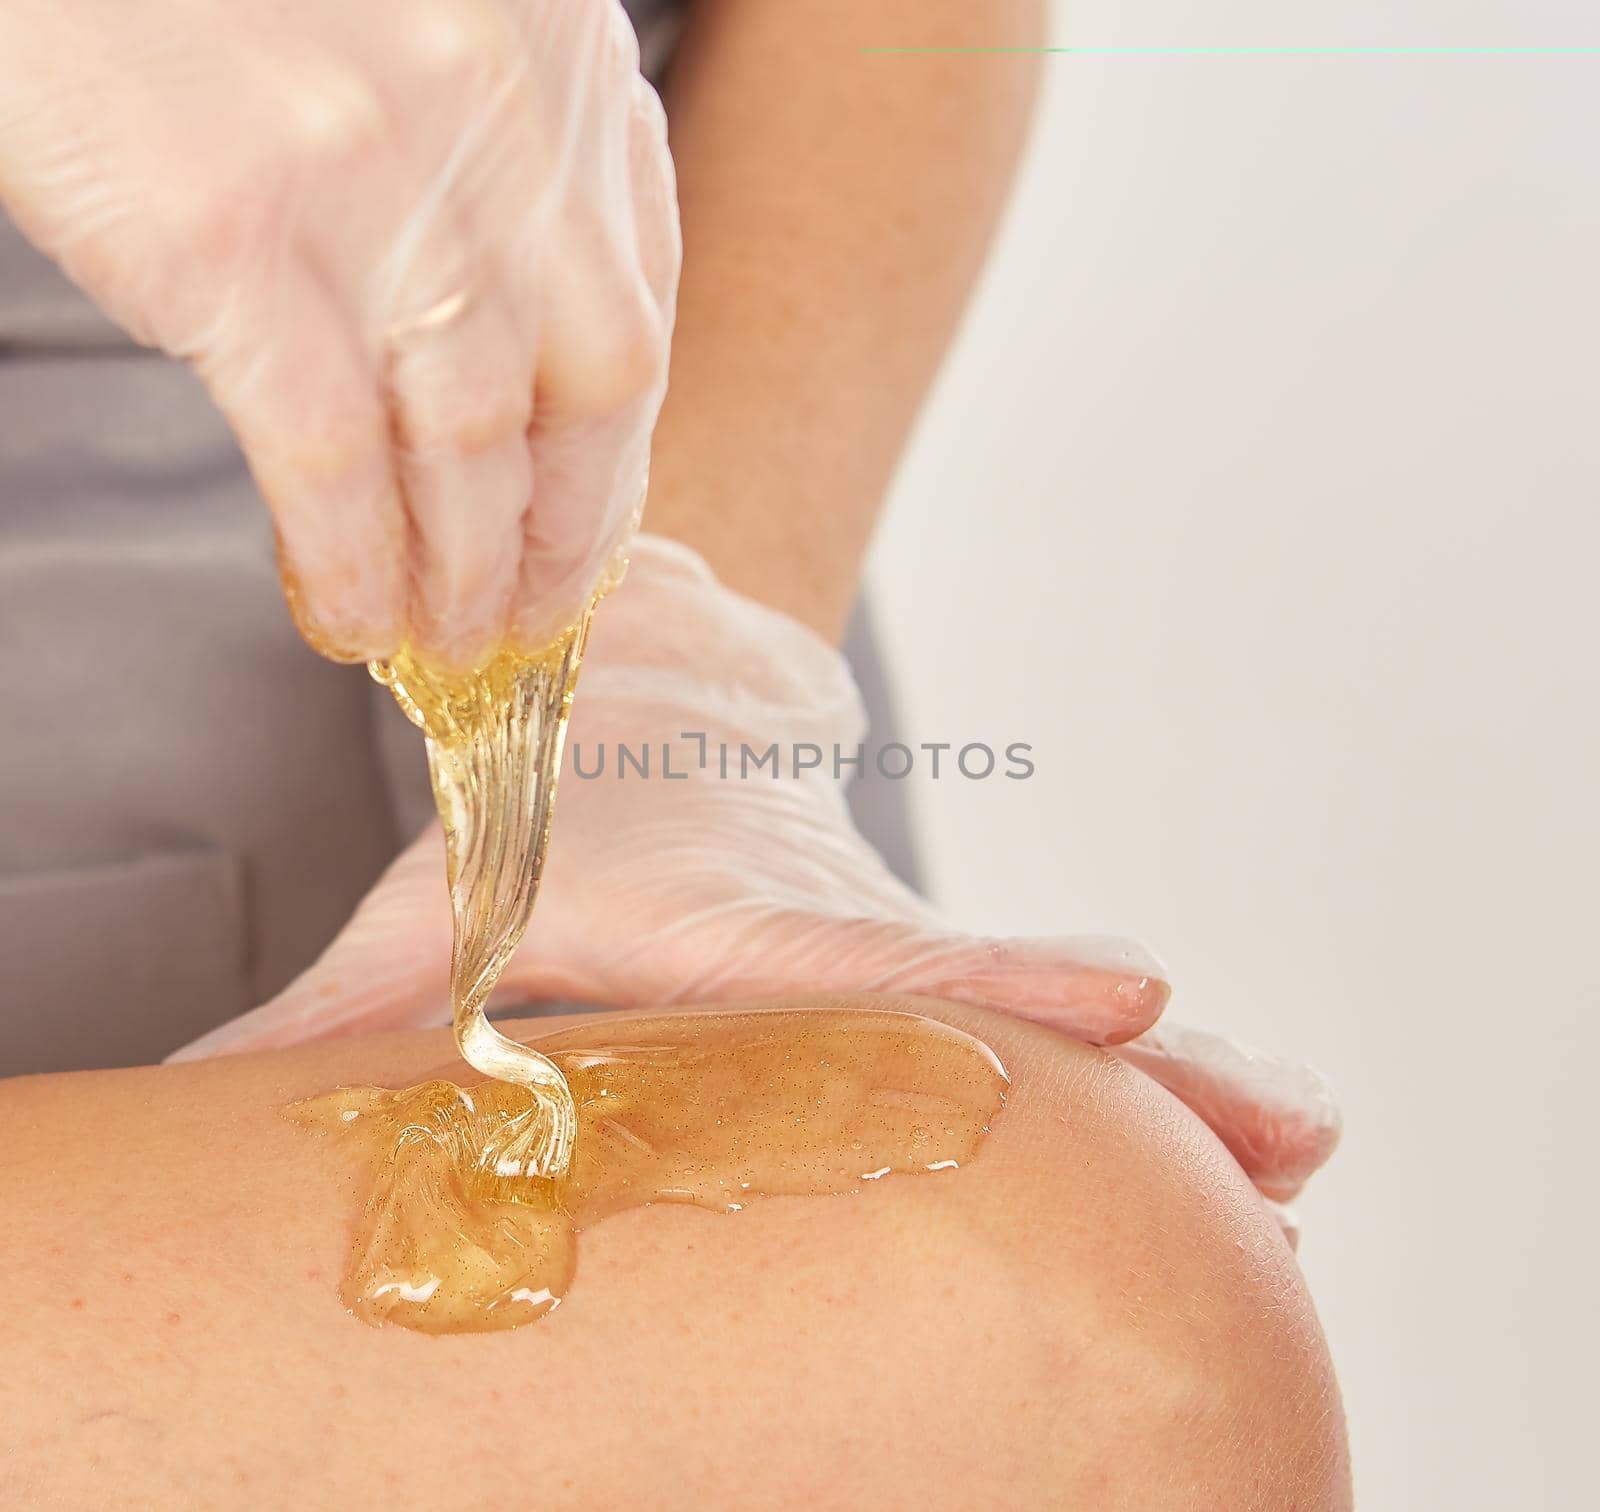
[1096, 1312]
[837, 205]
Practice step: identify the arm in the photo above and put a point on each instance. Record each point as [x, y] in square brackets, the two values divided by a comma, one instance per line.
[836, 209]
[1105, 1311]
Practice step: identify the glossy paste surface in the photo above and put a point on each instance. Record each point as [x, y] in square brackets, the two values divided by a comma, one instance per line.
[494, 739]
[716, 1110]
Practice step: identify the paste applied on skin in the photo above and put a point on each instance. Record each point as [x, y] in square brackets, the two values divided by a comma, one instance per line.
[714, 1110]
[494, 737]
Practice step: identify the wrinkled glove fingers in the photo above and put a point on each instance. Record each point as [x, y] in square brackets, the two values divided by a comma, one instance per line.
[304, 401]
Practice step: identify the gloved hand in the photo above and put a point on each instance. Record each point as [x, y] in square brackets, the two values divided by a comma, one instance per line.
[424, 254]
[700, 888]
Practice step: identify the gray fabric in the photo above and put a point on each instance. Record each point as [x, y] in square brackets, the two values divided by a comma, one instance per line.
[191, 801]
[95, 958]
[658, 23]
[879, 804]
[158, 707]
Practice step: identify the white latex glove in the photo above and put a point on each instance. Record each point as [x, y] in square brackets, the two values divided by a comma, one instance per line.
[708, 889]
[424, 254]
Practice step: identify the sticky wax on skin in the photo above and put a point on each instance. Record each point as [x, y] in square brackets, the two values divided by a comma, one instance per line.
[494, 739]
[715, 1110]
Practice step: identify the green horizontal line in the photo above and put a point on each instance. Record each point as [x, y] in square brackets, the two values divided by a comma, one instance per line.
[1260, 52]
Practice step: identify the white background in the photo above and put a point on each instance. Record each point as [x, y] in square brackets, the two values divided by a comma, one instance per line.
[1260, 495]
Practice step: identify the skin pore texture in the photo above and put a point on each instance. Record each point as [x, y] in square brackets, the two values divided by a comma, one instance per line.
[1094, 1312]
